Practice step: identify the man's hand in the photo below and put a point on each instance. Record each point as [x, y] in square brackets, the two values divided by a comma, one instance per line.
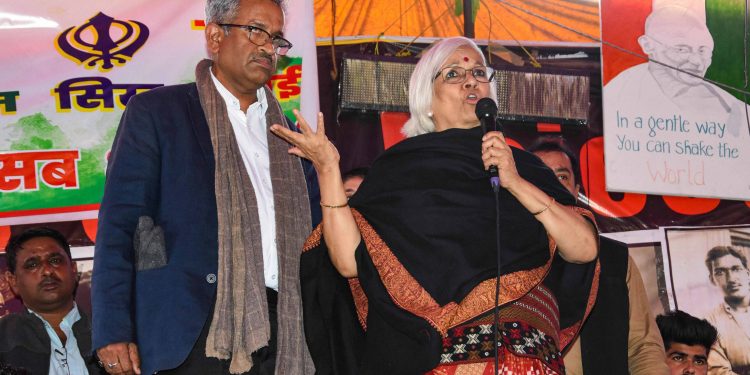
[120, 358]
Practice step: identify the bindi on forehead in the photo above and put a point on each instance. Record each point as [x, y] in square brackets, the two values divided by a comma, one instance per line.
[466, 58]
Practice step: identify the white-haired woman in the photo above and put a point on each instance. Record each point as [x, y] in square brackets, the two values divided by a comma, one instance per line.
[419, 242]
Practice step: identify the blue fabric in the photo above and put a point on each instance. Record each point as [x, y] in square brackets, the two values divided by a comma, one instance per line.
[161, 166]
[66, 358]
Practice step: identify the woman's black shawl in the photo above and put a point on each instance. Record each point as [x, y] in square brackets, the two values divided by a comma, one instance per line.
[428, 258]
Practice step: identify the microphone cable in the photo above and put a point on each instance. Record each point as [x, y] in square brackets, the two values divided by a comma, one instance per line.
[486, 112]
[496, 313]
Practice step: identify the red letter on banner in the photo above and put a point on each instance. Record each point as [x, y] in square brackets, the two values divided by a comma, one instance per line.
[592, 175]
[288, 83]
[60, 169]
[18, 171]
[691, 206]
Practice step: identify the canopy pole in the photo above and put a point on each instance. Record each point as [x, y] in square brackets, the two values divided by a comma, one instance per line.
[468, 21]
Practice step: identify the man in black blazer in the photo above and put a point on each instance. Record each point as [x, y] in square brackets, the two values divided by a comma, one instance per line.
[157, 263]
[51, 335]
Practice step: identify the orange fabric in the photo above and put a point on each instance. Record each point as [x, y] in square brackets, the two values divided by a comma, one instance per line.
[436, 18]
[360, 301]
[508, 362]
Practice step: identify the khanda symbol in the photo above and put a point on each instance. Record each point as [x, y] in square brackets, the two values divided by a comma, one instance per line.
[92, 45]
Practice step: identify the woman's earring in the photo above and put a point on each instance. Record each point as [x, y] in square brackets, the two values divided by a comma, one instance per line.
[429, 114]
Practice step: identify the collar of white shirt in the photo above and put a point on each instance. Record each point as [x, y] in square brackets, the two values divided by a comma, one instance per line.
[234, 103]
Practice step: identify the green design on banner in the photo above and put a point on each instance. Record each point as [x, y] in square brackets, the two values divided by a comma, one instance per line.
[726, 21]
[37, 133]
[288, 105]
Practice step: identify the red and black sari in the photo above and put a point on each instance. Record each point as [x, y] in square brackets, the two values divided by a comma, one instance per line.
[427, 266]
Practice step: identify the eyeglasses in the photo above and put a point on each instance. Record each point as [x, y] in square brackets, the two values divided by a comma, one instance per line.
[457, 74]
[260, 37]
[683, 52]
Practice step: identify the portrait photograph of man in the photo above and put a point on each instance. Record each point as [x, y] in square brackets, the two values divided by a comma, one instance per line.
[710, 279]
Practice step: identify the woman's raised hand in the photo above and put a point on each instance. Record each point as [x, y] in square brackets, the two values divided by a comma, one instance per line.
[310, 144]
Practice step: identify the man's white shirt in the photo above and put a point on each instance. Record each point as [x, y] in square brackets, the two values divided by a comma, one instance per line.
[252, 139]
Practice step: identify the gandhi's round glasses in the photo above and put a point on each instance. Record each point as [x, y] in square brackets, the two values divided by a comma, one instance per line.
[260, 37]
[682, 52]
[457, 74]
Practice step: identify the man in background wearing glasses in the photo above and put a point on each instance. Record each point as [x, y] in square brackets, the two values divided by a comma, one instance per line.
[52, 336]
[204, 217]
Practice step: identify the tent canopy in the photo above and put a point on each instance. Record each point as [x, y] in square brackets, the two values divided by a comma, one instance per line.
[527, 21]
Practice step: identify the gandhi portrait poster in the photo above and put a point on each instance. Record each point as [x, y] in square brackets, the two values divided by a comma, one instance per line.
[674, 98]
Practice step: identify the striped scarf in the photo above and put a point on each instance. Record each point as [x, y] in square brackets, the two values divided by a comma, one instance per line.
[240, 323]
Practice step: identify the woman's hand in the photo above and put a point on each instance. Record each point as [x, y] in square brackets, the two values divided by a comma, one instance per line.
[495, 151]
[339, 228]
[575, 237]
[310, 144]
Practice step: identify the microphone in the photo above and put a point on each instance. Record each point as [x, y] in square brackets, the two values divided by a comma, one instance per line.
[486, 110]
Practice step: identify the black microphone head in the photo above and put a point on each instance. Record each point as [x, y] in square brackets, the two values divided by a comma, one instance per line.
[486, 107]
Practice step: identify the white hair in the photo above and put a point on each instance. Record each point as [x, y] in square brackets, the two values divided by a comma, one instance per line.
[422, 83]
[223, 11]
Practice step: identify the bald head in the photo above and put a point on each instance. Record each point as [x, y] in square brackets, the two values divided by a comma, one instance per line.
[677, 37]
[676, 21]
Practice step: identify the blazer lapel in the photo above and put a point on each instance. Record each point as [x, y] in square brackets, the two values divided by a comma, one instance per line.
[200, 125]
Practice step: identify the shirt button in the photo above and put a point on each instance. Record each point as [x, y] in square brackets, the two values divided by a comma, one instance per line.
[273, 277]
[211, 278]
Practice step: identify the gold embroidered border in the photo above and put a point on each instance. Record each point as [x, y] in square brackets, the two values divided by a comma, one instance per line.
[314, 239]
[586, 213]
[360, 301]
[407, 294]
[569, 334]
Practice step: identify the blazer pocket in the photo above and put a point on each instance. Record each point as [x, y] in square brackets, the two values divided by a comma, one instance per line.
[149, 245]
